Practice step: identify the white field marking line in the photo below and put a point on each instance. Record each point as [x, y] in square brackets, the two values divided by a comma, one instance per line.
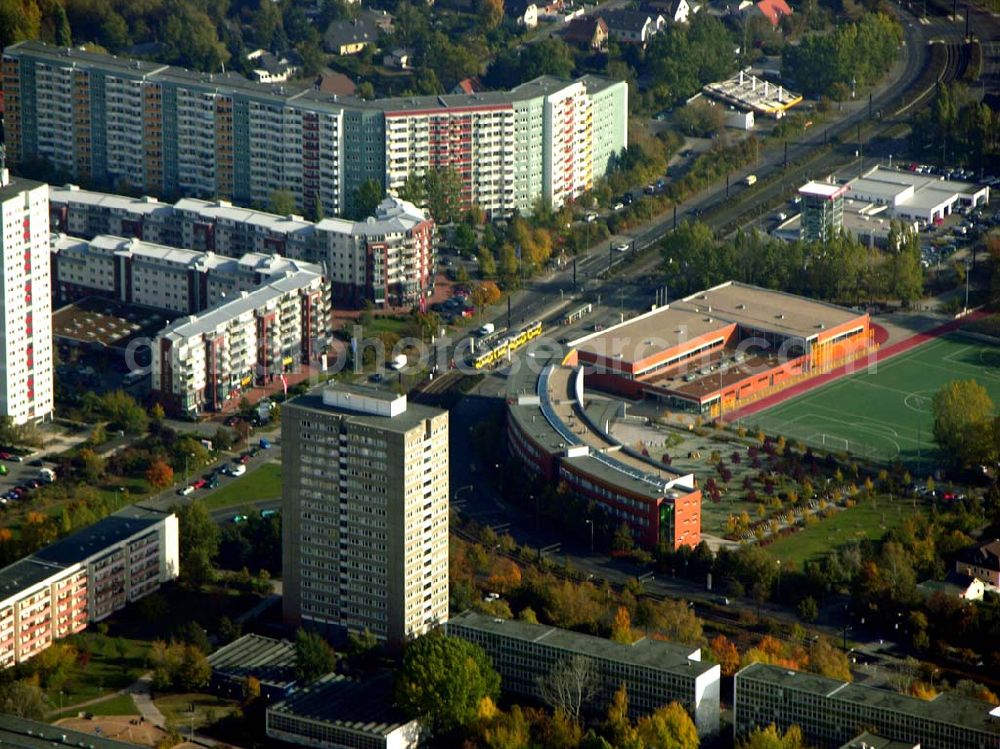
[865, 424]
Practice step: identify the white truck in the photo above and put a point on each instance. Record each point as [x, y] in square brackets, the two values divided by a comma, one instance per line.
[487, 329]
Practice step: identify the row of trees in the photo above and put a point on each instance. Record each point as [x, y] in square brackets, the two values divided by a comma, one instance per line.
[957, 126]
[840, 269]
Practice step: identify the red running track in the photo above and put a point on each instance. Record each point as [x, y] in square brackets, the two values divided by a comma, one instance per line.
[881, 335]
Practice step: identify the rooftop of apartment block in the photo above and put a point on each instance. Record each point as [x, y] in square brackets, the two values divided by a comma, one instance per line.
[367, 405]
[646, 653]
[113, 529]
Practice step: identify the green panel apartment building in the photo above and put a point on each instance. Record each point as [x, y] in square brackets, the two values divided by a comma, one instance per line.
[169, 131]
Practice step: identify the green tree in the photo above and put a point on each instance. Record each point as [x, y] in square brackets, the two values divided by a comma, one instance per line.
[366, 199]
[807, 609]
[23, 699]
[443, 681]
[669, 727]
[281, 202]
[199, 543]
[313, 656]
[444, 194]
[123, 411]
[963, 416]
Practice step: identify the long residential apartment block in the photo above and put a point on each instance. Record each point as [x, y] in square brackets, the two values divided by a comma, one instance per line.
[831, 712]
[84, 578]
[654, 672]
[170, 131]
[204, 360]
[386, 259]
[154, 275]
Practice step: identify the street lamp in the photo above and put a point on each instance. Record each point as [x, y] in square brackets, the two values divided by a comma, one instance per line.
[591, 524]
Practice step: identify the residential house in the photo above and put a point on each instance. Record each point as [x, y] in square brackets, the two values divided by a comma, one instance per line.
[399, 58]
[351, 36]
[774, 10]
[677, 11]
[268, 68]
[588, 32]
[337, 84]
[525, 12]
[469, 86]
[955, 585]
[633, 26]
[983, 562]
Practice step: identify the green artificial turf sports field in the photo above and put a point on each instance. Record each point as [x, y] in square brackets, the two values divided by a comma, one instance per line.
[884, 413]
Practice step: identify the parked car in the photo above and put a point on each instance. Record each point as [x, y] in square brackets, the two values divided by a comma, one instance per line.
[622, 247]
[199, 484]
[265, 444]
[619, 206]
[212, 484]
[185, 490]
[269, 513]
[239, 518]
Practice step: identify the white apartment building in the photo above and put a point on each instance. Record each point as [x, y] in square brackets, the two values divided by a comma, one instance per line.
[26, 346]
[153, 275]
[364, 514]
[203, 360]
[654, 672]
[84, 578]
[388, 258]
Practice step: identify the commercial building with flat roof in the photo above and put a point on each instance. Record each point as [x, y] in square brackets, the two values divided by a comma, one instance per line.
[747, 92]
[84, 578]
[550, 430]
[364, 514]
[335, 712]
[921, 197]
[270, 661]
[170, 131]
[831, 712]
[871, 741]
[655, 672]
[722, 348]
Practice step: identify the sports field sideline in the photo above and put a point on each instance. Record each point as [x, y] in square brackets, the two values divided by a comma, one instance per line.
[884, 413]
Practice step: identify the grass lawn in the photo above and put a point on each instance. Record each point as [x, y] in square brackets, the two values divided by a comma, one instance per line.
[120, 704]
[115, 662]
[262, 483]
[387, 324]
[870, 519]
[208, 709]
[885, 414]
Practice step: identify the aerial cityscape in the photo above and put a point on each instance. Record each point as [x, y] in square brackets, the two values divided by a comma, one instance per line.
[494, 374]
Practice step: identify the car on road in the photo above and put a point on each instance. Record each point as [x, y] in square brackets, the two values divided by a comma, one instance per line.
[185, 490]
[239, 518]
[619, 206]
[269, 513]
[622, 247]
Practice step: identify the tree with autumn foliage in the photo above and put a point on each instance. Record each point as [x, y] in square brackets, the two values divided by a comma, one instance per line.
[621, 627]
[725, 654]
[485, 294]
[491, 13]
[159, 474]
[505, 575]
[617, 728]
[669, 727]
[772, 738]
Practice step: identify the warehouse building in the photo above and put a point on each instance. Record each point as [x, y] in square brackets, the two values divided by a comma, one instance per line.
[920, 197]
